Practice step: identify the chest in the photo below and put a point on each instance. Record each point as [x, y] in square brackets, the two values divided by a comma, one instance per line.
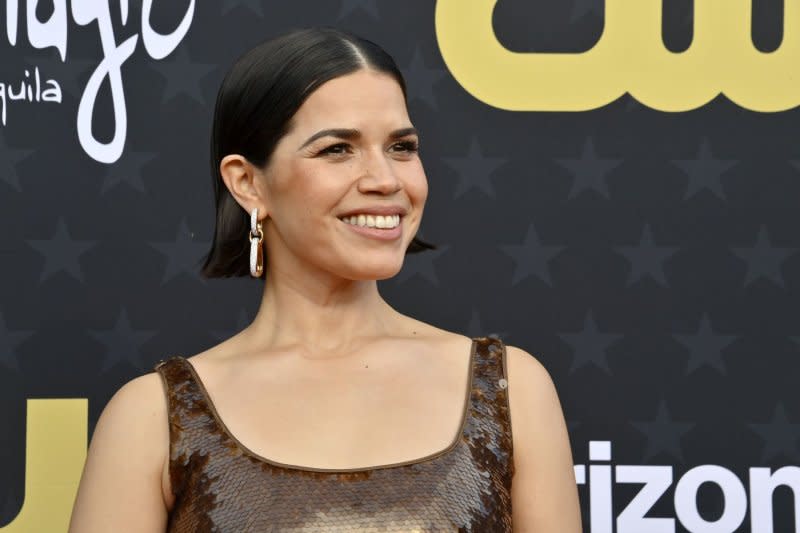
[220, 484]
[371, 418]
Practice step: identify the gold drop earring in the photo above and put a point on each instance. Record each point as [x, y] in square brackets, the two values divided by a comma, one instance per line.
[256, 249]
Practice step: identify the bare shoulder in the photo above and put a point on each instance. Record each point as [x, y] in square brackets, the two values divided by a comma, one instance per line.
[544, 492]
[138, 407]
[121, 484]
[533, 399]
[527, 372]
[534, 402]
[531, 387]
[147, 389]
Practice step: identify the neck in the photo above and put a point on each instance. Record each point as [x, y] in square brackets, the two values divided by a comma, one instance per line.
[323, 315]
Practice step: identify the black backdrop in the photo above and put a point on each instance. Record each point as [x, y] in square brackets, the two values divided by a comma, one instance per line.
[649, 259]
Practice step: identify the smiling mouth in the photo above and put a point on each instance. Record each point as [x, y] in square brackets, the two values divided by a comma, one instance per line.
[373, 221]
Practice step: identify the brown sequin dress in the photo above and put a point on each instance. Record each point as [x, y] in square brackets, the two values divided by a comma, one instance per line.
[222, 486]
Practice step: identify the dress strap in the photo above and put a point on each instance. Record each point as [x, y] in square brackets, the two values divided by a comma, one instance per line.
[490, 396]
[191, 421]
[493, 364]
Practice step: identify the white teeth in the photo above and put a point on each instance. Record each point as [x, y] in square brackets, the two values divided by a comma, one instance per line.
[373, 221]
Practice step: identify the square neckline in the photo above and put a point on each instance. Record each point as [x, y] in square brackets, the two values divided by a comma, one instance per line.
[466, 407]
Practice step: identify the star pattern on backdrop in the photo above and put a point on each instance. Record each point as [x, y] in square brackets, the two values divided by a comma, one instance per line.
[704, 171]
[242, 321]
[763, 259]
[182, 75]
[61, 252]
[128, 170]
[663, 434]
[368, 6]
[646, 259]
[421, 264]
[531, 257]
[122, 342]
[9, 159]
[475, 327]
[183, 255]
[421, 78]
[254, 6]
[589, 345]
[9, 340]
[705, 347]
[584, 7]
[781, 437]
[589, 171]
[474, 170]
[630, 219]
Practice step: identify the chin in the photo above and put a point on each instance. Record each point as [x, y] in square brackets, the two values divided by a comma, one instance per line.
[379, 272]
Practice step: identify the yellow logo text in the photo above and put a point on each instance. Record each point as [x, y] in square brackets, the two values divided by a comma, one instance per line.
[56, 446]
[630, 56]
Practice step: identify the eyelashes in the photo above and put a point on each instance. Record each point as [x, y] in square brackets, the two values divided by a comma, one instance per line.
[334, 149]
[408, 146]
[341, 148]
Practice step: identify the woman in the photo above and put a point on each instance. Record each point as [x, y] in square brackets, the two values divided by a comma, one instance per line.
[331, 411]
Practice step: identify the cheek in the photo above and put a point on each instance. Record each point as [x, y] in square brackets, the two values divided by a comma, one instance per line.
[311, 201]
[417, 184]
[311, 187]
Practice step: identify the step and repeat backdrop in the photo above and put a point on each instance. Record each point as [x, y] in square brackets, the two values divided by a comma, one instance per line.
[614, 187]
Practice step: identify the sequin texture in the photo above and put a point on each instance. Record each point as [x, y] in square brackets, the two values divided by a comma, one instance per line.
[220, 486]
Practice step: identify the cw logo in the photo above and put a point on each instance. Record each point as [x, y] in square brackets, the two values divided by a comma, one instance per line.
[630, 56]
[54, 456]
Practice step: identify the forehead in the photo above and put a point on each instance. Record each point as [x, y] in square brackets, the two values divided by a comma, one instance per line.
[360, 99]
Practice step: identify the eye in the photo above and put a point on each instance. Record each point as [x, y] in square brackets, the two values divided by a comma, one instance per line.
[408, 146]
[335, 149]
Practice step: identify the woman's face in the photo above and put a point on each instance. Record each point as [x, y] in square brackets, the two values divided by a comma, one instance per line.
[351, 149]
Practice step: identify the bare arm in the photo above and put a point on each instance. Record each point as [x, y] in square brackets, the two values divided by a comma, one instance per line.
[544, 496]
[121, 484]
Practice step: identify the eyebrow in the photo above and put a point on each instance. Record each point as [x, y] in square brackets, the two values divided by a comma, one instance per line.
[348, 133]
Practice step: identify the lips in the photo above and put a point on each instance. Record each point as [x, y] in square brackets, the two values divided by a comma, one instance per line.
[371, 212]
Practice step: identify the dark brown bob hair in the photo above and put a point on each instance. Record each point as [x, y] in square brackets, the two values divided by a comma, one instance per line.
[256, 101]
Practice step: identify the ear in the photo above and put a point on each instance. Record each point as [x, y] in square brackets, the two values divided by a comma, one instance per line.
[246, 183]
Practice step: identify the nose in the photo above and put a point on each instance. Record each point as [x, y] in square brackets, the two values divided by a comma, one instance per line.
[378, 174]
